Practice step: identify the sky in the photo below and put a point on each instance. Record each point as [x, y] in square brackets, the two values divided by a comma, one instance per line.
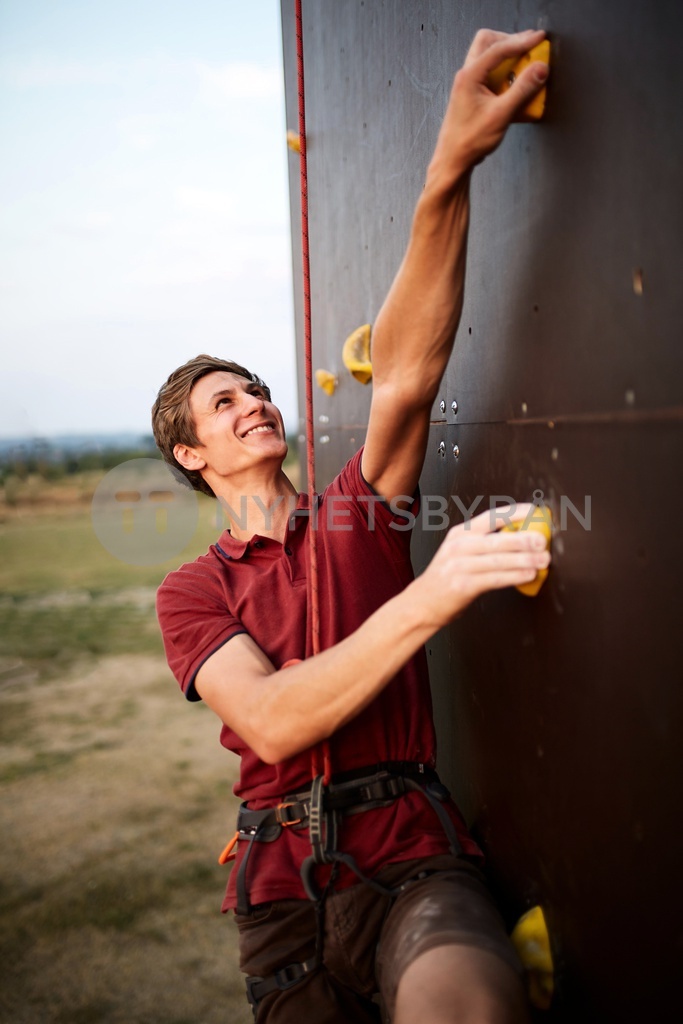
[144, 211]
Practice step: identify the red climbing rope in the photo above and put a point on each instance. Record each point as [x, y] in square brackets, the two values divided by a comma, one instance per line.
[308, 362]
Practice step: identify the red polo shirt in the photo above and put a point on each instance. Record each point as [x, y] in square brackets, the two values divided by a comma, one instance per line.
[259, 587]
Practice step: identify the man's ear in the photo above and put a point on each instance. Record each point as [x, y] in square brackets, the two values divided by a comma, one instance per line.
[188, 457]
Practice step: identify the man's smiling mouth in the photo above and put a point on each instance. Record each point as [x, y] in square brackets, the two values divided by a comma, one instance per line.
[264, 428]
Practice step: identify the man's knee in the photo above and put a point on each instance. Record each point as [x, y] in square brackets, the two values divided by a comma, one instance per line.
[460, 983]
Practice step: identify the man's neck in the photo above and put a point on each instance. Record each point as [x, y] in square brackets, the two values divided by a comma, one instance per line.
[263, 509]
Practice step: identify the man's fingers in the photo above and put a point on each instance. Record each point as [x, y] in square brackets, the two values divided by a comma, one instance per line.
[494, 518]
[511, 578]
[484, 38]
[531, 80]
[505, 561]
[510, 46]
[510, 540]
[475, 544]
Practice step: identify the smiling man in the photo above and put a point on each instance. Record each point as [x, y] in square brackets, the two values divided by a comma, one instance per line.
[367, 886]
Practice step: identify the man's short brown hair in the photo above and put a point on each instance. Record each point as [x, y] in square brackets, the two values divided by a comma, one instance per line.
[172, 421]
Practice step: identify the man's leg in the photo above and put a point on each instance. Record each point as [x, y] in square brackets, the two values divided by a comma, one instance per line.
[444, 955]
[460, 984]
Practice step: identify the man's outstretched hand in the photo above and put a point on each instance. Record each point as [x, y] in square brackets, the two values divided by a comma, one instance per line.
[476, 118]
[477, 556]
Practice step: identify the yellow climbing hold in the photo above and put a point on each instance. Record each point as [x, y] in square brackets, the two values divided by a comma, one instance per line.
[327, 381]
[502, 77]
[356, 354]
[541, 520]
[293, 141]
[532, 942]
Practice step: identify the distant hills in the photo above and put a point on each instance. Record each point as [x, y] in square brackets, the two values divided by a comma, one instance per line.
[56, 448]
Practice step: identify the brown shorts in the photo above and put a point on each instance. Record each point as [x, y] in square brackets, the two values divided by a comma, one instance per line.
[370, 940]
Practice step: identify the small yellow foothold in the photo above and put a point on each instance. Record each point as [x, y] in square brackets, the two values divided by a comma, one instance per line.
[327, 381]
[356, 354]
[532, 942]
[503, 76]
[293, 141]
[541, 520]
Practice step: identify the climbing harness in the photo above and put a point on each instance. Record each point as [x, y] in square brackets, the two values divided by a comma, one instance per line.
[320, 809]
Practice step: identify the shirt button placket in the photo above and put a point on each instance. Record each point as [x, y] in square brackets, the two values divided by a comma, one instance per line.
[291, 560]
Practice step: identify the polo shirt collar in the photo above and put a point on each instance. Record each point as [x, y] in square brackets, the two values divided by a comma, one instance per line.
[231, 547]
[235, 549]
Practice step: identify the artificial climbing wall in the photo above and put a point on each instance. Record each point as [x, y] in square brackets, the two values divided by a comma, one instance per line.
[560, 718]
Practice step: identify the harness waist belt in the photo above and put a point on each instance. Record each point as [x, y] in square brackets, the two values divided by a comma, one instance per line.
[319, 808]
[352, 796]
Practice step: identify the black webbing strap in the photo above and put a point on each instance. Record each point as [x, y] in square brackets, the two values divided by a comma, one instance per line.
[437, 794]
[281, 980]
[262, 828]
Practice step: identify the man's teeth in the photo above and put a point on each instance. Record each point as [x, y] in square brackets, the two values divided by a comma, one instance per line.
[258, 430]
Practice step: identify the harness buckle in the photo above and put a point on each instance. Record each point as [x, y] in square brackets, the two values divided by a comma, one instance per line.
[253, 984]
[383, 789]
[282, 979]
[290, 975]
[283, 819]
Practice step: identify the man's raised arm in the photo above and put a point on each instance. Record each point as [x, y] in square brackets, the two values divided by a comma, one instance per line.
[414, 332]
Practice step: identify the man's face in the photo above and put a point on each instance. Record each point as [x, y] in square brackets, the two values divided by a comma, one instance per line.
[236, 425]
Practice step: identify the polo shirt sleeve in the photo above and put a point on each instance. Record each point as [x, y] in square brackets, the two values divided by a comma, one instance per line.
[351, 491]
[195, 622]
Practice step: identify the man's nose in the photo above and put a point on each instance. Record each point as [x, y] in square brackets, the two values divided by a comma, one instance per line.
[252, 403]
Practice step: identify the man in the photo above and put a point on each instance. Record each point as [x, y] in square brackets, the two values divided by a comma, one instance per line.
[396, 902]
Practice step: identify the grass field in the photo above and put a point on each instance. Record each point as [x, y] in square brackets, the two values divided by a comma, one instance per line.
[64, 596]
[115, 795]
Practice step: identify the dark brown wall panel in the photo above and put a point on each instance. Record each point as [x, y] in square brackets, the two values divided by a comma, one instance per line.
[560, 717]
